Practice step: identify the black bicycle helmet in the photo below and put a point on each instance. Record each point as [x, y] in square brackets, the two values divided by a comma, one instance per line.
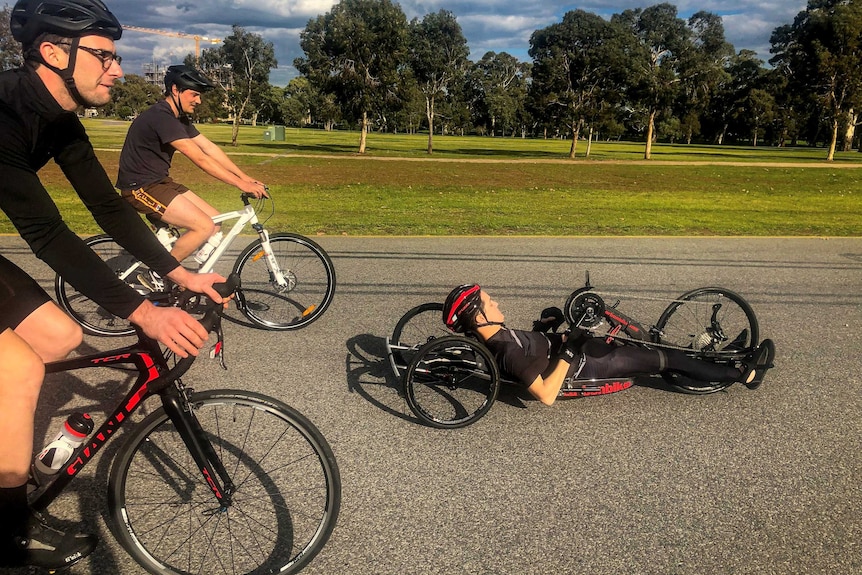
[66, 18]
[187, 78]
[462, 305]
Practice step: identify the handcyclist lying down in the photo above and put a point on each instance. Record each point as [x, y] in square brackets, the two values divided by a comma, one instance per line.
[544, 362]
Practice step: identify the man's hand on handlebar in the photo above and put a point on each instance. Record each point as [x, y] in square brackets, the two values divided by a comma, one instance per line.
[170, 326]
[198, 283]
[254, 188]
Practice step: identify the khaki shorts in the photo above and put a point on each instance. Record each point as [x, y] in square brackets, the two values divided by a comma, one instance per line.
[154, 198]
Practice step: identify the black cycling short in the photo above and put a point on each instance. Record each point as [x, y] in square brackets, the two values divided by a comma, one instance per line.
[20, 295]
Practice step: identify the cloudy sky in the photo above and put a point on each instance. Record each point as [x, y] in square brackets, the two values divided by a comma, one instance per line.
[488, 25]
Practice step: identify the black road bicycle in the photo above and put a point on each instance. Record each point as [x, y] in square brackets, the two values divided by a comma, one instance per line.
[220, 481]
[451, 381]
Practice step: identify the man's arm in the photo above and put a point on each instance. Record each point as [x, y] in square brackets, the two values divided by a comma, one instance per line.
[547, 389]
[211, 159]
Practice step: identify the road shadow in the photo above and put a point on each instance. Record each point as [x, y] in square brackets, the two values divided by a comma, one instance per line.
[370, 375]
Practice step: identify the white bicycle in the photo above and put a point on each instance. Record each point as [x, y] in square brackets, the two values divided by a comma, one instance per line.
[287, 280]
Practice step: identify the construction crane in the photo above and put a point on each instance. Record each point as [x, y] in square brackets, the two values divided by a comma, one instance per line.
[197, 38]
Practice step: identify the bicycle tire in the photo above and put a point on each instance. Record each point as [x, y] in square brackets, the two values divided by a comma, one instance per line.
[687, 323]
[451, 382]
[286, 503]
[310, 274]
[93, 318]
[416, 328]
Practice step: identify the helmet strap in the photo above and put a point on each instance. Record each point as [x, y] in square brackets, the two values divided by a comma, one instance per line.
[178, 104]
[67, 74]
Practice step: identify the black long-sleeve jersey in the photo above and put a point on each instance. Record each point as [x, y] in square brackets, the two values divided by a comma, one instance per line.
[35, 129]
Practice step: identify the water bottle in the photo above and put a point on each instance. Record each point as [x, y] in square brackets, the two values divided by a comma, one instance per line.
[166, 237]
[208, 247]
[76, 429]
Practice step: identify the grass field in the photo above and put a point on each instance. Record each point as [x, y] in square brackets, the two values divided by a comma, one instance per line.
[514, 186]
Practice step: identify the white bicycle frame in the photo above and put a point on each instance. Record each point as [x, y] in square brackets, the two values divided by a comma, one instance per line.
[246, 215]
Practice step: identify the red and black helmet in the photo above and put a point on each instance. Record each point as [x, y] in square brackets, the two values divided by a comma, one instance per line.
[462, 305]
[66, 18]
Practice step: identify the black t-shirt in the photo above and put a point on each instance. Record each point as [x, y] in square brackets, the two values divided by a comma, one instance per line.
[35, 129]
[524, 355]
[147, 153]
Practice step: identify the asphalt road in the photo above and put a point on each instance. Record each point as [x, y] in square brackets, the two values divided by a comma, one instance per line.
[646, 481]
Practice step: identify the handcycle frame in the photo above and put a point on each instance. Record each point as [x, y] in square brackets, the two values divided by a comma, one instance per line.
[450, 381]
[155, 377]
[284, 281]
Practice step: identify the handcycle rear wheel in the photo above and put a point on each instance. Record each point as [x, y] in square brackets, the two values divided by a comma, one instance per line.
[712, 323]
[95, 319]
[416, 328]
[451, 382]
[286, 503]
[310, 285]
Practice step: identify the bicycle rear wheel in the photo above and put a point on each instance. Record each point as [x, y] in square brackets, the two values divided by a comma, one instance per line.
[95, 319]
[711, 323]
[310, 287]
[416, 328]
[451, 382]
[286, 503]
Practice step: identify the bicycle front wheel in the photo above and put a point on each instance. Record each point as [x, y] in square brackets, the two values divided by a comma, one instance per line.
[95, 319]
[307, 290]
[711, 323]
[286, 503]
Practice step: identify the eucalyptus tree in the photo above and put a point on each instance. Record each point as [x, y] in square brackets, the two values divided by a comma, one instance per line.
[240, 66]
[821, 52]
[357, 52]
[577, 65]
[438, 56]
[661, 39]
[703, 69]
[499, 86]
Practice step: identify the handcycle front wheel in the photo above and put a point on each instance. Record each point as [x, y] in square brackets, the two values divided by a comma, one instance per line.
[417, 327]
[712, 323]
[93, 318]
[310, 282]
[451, 382]
[286, 503]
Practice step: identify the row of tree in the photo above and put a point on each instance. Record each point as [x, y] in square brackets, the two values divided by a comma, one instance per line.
[643, 74]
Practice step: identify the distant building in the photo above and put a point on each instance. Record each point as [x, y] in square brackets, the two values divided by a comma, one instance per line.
[155, 74]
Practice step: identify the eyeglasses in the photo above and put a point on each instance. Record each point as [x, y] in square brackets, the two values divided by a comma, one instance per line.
[106, 57]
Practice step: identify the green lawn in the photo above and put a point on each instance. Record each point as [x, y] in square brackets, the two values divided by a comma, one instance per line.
[514, 186]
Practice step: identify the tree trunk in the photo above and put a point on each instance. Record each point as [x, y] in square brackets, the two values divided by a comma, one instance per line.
[363, 133]
[830, 156]
[589, 142]
[429, 113]
[850, 134]
[576, 129]
[650, 131]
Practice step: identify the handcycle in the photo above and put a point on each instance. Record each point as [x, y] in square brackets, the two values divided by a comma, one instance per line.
[451, 381]
[288, 280]
[219, 481]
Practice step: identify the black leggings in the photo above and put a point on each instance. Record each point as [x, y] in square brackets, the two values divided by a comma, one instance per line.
[607, 361]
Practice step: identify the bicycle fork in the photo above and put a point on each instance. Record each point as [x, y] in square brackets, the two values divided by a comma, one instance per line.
[215, 475]
[276, 275]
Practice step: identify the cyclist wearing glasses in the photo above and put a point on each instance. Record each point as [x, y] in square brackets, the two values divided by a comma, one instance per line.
[145, 164]
[544, 362]
[70, 61]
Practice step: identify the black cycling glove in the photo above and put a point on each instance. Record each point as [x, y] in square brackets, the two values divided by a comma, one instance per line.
[549, 320]
[571, 348]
